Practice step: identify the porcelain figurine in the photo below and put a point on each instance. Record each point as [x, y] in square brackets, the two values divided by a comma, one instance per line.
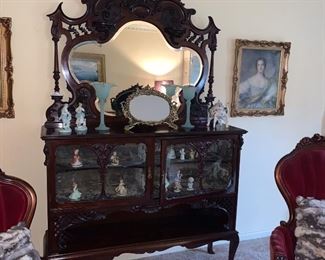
[171, 153]
[76, 194]
[178, 180]
[81, 127]
[76, 161]
[182, 154]
[192, 154]
[218, 114]
[121, 189]
[65, 117]
[190, 182]
[115, 160]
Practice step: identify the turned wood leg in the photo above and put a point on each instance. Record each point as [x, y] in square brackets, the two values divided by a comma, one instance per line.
[234, 242]
[210, 248]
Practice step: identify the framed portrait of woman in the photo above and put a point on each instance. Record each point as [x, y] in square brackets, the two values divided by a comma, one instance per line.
[6, 81]
[260, 77]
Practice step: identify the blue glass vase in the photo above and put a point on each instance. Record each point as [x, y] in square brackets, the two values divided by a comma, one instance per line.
[102, 92]
[188, 94]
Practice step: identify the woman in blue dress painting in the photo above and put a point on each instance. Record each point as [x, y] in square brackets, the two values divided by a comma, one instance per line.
[258, 91]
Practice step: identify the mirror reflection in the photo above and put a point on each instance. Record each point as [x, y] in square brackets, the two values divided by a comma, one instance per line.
[138, 53]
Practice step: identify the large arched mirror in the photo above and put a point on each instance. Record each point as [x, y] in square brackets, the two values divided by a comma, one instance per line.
[128, 43]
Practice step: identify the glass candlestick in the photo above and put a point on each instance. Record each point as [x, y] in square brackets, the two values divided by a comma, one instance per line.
[188, 94]
[102, 92]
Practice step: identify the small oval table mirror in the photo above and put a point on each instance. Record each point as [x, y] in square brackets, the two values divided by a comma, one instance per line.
[149, 107]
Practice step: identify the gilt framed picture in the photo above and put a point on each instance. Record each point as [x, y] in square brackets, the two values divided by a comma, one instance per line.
[88, 66]
[259, 78]
[6, 70]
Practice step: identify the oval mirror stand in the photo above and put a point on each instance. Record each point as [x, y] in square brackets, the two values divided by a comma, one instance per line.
[149, 107]
[96, 49]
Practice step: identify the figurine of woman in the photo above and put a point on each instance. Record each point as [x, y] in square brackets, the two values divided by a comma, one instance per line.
[177, 184]
[182, 154]
[76, 194]
[171, 153]
[115, 160]
[190, 182]
[80, 119]
[192, 154]
[76, 162]
[66, 118]
[121, 189]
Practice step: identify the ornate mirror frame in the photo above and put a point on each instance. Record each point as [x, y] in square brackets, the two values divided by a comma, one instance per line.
[6, 69]
[101, 21]
[148, 92]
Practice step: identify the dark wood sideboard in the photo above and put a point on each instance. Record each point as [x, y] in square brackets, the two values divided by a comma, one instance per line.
[153, 215]
[118, 191]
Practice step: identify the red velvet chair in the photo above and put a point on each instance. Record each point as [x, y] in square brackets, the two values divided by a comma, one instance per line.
[17, 202]
[301, 172]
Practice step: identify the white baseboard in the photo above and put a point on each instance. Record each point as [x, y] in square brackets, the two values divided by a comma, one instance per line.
[175, 249]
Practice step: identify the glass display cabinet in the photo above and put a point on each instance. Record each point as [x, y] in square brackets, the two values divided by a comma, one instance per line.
[149, 182]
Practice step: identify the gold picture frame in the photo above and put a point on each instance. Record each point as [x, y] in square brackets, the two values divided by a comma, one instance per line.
[6, 70]
[88, 67]
[259, 78]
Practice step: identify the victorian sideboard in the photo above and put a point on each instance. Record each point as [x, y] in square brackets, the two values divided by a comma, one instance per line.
[163, 180]
[114, 193]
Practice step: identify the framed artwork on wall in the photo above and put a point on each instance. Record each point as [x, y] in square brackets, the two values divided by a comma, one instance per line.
[88, 66]
[259, 78]
[6, 70]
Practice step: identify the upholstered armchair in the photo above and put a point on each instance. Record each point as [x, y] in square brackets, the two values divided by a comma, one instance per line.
[299, 173]
[17, 202]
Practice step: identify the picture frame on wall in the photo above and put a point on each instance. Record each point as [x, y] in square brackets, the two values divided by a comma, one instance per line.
[259, 78]
[6, 70]
[88, 66]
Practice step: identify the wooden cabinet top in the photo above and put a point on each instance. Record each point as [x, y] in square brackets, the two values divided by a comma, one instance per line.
[53, 134]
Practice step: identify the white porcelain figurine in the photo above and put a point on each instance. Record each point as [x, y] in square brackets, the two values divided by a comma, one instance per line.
[190, 182]
[121, 189]
[115, 160]
[178, 180]
[218, 114]
[81, 127]
[182, 154]
[76, 194]
[65, 117]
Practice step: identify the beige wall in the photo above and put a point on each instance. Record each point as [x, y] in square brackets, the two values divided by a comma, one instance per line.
[260, 204]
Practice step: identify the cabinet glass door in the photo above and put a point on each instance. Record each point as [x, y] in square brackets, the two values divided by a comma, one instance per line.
[126, 171]
[217, 166]
[181, 171]
[77, 175]
[100, 172]
[197, 167]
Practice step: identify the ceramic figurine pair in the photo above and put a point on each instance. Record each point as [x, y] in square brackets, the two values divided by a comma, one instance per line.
[65, 117]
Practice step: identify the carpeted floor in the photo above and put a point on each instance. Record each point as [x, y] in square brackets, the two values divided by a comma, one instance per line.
[256, 249]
